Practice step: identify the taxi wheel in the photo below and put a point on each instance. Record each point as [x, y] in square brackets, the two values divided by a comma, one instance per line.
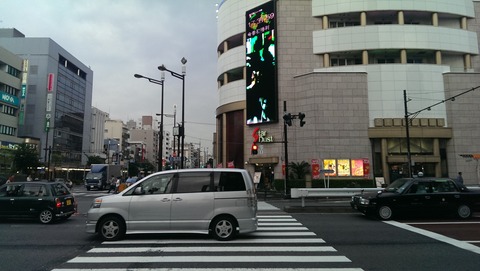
[224, 228]
[111, 228]
[45, 216]
[464, 211]
[385, 212]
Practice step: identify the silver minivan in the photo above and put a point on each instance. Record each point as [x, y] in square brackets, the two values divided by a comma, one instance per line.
[220, 202]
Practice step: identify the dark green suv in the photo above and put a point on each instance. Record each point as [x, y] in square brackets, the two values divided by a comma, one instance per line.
[45, 201]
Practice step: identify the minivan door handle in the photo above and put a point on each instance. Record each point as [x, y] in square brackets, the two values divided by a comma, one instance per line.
[177, 199]
[165, 200]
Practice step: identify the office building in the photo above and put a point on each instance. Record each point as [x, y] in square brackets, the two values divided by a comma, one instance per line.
[58, 97]
[388, 88]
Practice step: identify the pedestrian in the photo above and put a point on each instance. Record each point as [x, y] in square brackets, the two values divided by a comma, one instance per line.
[11, 179]
[460, 178]
[111, 184]
[29, 178]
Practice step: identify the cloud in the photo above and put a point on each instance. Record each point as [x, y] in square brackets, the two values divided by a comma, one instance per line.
[118, 38]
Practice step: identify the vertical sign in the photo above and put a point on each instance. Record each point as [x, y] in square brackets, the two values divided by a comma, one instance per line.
[366, 168]
[50, 82]
[261, 81]
[315, 169]
[23, 95]
[48, 105]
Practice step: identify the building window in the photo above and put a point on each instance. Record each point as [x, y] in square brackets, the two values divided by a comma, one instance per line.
[338, 24]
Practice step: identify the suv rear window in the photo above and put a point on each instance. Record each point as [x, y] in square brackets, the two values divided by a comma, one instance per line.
[230, 181]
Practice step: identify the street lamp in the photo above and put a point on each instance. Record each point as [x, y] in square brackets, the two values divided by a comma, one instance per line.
[162, 83]
[182, 77]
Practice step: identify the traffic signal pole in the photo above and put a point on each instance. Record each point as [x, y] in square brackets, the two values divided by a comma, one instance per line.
[286, 146]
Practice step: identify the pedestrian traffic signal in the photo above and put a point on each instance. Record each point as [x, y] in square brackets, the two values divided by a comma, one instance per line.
[288, 119]
[254, 149]
[301, 116]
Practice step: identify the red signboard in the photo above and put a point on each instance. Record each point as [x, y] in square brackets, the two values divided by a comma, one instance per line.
[51, 77]
[315, 169]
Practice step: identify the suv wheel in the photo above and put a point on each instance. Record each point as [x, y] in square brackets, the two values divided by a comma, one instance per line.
[111, 228]
[45, 216]
[224, 228]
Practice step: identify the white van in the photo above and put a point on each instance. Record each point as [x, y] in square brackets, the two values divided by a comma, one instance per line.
[221, 202]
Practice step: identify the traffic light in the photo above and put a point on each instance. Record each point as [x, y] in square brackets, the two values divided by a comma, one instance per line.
[288, 119]
[301, 116]
[254, 149]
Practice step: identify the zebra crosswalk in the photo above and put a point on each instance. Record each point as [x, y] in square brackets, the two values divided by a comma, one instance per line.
[281, 243]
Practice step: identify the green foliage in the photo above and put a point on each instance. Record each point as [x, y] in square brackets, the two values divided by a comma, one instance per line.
[25, 158]
[298, 170]
[95, 160]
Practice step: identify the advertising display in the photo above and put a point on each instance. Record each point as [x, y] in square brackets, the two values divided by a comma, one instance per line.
[261, 90]
[330, 164]
[343, 167]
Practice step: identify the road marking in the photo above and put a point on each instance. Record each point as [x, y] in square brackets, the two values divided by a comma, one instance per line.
[275, 220]
[280, 224]
[436, 236]
[282, 229]
[282, 234]
[211, 241]
[443, 223]
[216, 259]
[212, 249]
[214, 269]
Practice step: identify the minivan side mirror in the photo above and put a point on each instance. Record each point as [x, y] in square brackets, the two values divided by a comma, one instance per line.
[138, 191]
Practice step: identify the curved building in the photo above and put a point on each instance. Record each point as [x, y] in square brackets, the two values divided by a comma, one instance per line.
[385, 86]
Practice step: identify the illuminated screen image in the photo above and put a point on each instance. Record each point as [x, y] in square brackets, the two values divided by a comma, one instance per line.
[343, 167]
[261, 89]
[357, 167]
[330, 164]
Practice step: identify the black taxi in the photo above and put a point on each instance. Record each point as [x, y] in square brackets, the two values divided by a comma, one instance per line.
[419, 196]
[45, 201]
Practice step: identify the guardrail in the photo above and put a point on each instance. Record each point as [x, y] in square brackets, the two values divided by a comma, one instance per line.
[328, 192]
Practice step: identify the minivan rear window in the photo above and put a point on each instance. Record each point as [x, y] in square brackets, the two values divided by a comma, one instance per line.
[230, 181]
[194, 182]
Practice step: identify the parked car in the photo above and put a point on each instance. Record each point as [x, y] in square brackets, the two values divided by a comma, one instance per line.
[68, 183]
[3, 180]
[419, 196]
[221, 202]
[45, 201]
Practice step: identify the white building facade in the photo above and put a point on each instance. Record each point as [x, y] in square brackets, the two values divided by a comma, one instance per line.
[358, 70]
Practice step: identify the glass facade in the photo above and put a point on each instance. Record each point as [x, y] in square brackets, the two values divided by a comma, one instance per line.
[69, 112]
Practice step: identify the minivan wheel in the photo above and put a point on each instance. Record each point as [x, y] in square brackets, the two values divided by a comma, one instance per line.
[224, 228]
[111, 228]
[45, 216]
[464, 211]
[385, 212]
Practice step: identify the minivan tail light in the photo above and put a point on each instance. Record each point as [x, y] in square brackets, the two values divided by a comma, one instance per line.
[58, 203]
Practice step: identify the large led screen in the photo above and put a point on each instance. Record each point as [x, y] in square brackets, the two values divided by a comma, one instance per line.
[261, 96]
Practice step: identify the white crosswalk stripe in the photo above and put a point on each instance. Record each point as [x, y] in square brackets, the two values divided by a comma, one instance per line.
[280, 241]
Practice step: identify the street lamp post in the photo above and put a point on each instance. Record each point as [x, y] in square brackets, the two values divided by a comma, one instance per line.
[162, 83]
[182, 77]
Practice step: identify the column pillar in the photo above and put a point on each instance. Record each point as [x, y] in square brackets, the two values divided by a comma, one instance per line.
[326, 60]
[384, 154]
[403, 56]
[400, 17]
[325, 22]
[435, 19]
[363, 18]
[365, 57]
[438, 57]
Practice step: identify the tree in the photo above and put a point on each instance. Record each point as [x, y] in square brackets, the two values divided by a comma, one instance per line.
[25, 157]
[95, 159]
[299, 170]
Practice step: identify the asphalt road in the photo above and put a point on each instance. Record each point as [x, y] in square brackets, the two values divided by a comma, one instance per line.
[368, 243]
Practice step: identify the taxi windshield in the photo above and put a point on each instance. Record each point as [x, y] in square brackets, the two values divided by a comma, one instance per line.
[397, 186]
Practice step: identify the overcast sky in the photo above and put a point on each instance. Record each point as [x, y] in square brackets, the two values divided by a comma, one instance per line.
[118, 38]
